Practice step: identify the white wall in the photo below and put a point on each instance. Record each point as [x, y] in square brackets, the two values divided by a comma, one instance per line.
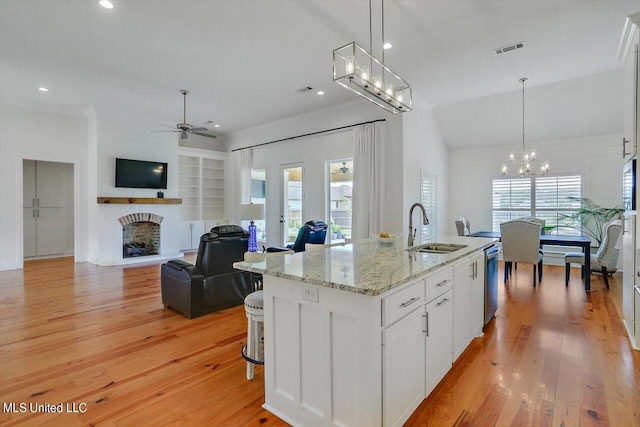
[576, 108]
[128, 136]
[423, 151]
[91, 144]
[470, 171]
[314, 151]
[32, 134]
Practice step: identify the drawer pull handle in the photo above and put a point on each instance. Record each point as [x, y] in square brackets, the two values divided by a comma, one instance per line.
[441, 284]
[443, 302]
[408, 303]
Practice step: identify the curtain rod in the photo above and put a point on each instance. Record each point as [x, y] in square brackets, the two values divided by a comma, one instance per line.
[307, 134]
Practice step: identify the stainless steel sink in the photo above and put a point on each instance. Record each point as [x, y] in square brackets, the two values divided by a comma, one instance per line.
[437, 248]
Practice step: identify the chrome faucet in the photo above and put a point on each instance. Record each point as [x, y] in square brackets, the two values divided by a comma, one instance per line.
[425, 221]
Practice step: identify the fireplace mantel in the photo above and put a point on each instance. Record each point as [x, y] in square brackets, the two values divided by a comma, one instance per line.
[138, 201]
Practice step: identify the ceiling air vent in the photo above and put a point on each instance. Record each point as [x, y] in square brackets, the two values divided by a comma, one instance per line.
[509, 48]
[304, 89]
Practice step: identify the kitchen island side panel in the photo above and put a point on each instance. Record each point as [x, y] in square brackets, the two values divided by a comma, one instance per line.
[322, 359]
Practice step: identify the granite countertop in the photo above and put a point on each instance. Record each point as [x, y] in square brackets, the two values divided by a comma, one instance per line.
[365, 267]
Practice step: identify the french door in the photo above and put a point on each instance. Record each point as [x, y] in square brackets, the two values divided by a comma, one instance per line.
[292, 197]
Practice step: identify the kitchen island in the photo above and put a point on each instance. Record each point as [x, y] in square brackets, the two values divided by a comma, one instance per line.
[360, 334]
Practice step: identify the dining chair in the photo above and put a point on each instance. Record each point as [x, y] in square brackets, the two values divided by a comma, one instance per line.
[601, 258]
[463, 226]
[521, 243]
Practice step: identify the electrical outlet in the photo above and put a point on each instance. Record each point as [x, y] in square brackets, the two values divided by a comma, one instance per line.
[310, 294]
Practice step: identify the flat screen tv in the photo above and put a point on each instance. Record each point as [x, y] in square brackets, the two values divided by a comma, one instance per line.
[140, 174]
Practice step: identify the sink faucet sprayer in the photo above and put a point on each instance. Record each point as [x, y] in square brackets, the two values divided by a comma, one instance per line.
[425, 221]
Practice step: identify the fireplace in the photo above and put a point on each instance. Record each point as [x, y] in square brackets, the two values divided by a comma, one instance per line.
[140, 234]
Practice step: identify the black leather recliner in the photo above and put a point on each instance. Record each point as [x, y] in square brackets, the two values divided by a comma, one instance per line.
[212, 284]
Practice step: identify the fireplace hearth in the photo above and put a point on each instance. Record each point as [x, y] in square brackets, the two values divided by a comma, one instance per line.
[140, 235]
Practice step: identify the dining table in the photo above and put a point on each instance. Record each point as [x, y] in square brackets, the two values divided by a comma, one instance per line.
[581, 241]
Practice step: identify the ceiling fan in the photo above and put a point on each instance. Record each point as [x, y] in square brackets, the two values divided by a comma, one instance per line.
[185, 128]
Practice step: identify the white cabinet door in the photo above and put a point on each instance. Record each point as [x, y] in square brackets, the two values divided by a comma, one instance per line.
[190, 232]
[476, 309]
[628, 269]
[50, 231]
[637, 316]
[439, 342]
[462, 273]
[403, 358]
[29, 226]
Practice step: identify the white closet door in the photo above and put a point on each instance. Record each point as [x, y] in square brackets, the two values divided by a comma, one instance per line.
[48, 208]
[51, 184]
[51, 231]
[29, 225]
[29, 184]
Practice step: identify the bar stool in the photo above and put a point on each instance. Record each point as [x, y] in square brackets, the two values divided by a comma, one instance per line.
[252, 350]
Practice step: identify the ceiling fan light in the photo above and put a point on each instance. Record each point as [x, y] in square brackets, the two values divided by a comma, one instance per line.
[184, 135]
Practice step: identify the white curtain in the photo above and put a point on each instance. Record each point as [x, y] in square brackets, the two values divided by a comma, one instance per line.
[237, 183]
[368, 181]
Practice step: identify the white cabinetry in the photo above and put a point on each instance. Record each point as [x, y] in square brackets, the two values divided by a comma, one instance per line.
[468, 297]
[403, 358]
[417, 348]
[632, 97]
[476, 309]
[628, 272]
[201, 187]
[462, 273]
[637, 311]
[352, 359]
[439, 340]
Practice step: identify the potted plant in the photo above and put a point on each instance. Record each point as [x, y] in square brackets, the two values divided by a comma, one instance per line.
[590, 219]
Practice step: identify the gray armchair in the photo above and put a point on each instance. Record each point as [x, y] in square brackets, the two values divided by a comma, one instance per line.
[601, 258]
[463, 226]
[521, 243]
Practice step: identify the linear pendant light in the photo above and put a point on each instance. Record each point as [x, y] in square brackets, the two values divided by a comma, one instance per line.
[357, 70]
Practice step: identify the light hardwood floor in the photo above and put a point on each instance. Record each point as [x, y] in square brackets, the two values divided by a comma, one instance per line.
[78, 333]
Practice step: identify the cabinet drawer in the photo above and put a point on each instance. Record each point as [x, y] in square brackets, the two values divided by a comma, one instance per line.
[439, 283]
[396, 306]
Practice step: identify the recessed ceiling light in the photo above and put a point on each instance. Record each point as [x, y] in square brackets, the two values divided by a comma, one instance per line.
[387, 45]
[43, 89]
[320, 92]
[216, 126]
[106, 4]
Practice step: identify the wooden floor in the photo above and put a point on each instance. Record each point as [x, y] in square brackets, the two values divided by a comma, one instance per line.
[82, 334]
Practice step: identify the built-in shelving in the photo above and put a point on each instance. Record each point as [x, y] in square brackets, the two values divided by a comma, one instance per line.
[201, 184]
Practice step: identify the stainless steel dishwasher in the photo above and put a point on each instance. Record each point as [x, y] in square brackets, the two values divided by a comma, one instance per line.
[491, 283]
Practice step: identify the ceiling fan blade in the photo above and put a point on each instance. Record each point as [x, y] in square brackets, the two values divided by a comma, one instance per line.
[167, 126]
[200, 129]
[206, 135]
[172, 131]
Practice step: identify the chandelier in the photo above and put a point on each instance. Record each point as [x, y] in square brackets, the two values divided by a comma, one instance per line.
[528, 159]
[357, 70]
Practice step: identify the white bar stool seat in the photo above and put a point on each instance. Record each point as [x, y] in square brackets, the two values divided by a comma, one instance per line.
[253, 306]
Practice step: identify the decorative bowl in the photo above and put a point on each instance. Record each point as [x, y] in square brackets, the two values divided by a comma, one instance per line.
[387, 240]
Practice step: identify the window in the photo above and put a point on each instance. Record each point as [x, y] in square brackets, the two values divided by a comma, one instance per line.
[546, 197]
[259, 196]
[340, 198]
[428, 198]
